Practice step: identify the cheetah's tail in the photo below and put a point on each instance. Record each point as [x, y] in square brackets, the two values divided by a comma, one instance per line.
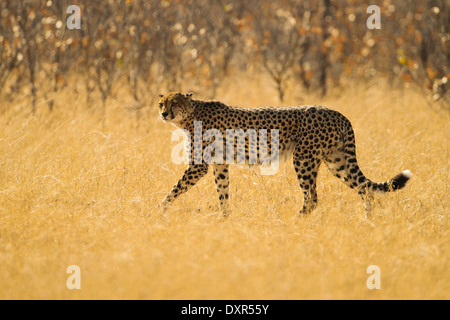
[396, 183]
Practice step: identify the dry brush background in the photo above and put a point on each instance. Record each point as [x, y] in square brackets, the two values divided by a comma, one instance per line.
[83, 165]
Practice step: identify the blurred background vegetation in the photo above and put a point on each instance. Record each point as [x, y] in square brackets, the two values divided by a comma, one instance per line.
[147, 46]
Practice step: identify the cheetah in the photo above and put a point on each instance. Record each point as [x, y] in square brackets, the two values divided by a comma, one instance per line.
[310, 134]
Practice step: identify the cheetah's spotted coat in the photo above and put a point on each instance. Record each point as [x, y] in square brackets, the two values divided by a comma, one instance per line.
[312, 134]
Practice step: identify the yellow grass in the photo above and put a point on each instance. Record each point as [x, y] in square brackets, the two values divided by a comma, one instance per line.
[77, 191]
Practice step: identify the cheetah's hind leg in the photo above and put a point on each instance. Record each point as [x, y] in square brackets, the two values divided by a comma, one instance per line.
[306, 168]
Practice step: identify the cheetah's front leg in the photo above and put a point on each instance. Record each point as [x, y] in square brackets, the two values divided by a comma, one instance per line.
[190, 177]
[222, 179]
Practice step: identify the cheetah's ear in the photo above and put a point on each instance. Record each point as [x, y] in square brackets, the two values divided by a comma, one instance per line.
[188, 95]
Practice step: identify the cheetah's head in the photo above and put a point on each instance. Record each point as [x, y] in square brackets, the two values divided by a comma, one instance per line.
[175, 106]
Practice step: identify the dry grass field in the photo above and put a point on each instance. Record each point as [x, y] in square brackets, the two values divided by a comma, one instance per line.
[75, 190]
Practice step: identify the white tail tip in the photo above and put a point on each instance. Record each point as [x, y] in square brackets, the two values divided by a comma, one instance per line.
[407, 174]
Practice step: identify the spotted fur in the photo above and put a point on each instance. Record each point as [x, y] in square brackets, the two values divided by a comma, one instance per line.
[311, 134]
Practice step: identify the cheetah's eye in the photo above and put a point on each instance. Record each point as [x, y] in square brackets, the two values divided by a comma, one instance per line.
[160, 104]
